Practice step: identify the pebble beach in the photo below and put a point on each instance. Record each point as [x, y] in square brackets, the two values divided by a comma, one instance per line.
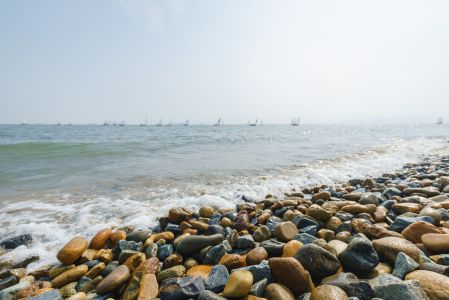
[369, 238]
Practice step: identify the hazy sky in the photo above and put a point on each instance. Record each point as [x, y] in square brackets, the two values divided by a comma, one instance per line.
[327, 61]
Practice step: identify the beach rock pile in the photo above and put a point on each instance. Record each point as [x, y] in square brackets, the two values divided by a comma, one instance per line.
[372, 238]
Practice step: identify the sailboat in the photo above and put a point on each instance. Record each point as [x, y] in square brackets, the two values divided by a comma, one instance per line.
[440, 121]
[24, 122]
[160, 123]
[106, 123]
[58, 123]
[122, 123]
[186, 123]
[219, 122]
[252, 124]
[295, 121]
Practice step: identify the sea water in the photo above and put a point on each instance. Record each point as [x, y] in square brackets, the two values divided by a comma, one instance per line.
[60, 181]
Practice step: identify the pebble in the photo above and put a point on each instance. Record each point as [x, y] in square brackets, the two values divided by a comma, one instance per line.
[206, 211]
[416, 230]
[436, 243]
[217, 278]
[403, 265]
[328, 292]
[390, 287]
[291, 248]
[319, 262]
[276, 291]
[72, 250]
[199, 270]
[389, 247]
[194, 243]
[359, 257]
[351, 284]
[114, 280]
[15, 241]
[149, 288]
[289, 272]
[435, 285]
[100, 239]
[176, 271]
[239, 284]
[69, 276]
[256, 256]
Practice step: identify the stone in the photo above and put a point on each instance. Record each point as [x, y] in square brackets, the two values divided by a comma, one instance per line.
[239, 284]
[389, 247]
[435, 285]
[359, 257]
[208, 295]
[338, 245]
[149, 288]
[414, 231]
[401, 222]
[51, 294]
[285, 231]
[105, 255]
[195, 243]
[233, 261]
[178, 214]
[68, 290]
[259, 271]
[164, 251]
[7, 282]
[134, 261]
[109, 268]
[181, 288]
[176, 271]
[241, 221]
[114, 280]
[305, 238]
[289, 272]
[78, 296]
[214, 255]
[69, 276]
[132, 288]
[369, 198]
[123, 246]
[352, 286]
[258, 288]
[390, 287]
[404, 207]
[291, 248]
[328, 292]
[72, 250]
[100, 239]
[318, 213]
[95, 270]
[276, 291]
[436, 243]
[117, 236]
[199, 270]
[13, 242]
[245, 242]
[261, 234]
[139, 236]
[217, 278]
[321, 195]
[153, 265]
[273, 247]
[319, 262]
[403, 265]
[256, 256]
[206, 211]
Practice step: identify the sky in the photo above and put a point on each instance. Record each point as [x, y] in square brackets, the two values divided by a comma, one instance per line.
[88, 61]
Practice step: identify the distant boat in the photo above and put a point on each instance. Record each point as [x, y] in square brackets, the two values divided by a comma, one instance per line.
[440, 121]
[70, 124]
[295, 121]
[186, 123]
[219, 122]
[122, 123]
[106, 123]
[252, 124]
[160, 123]
[58, 123]
[24, 122]
[114, 123]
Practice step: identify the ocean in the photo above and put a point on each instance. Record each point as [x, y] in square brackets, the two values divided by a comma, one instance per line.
[61, 181]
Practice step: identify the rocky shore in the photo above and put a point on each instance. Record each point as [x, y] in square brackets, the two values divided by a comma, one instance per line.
[371, 238]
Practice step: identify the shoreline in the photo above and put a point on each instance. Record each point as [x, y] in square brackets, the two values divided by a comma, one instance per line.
[360, 238]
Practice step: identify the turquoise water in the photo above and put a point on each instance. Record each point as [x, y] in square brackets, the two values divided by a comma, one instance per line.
[58, 181]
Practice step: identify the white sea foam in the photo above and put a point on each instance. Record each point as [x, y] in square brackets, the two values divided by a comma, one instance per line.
[54, 219]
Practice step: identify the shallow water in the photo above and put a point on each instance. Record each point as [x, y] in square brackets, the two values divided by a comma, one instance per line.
[59, 181]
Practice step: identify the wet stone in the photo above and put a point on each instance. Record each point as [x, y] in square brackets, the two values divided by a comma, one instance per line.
[319, 262]
[164, 251]
[214, 255]
[181, 288]
[217, 278]
[305, 238]
[359, 257]
[403, 265]
[352, 286]
[259, 272]
[245, 242]
[273, 247]
[258, 288]
[13, 242]
[126, 245]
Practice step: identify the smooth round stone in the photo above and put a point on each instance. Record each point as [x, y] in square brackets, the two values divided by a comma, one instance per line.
[199, 270]
[328, 292]
[178, 214]
[152, 265]
[233, 261]
[149, 288]
[69, 276]
[100, 239]
[114, 280]
[7, 282]
[359, 257]
[245, 242]
[285, 231]
[289, 272]
[291, 248]
[369, 198]
[276, 291]
[95, 270]
[134, 261]
[256, 255]
[435, 285]
[140, 235]
[343, 236]
[388, 248]
[355, 209]
[56, 270]
[352, 286]
[239, 284]
[333, 223]
[414, 231]
[319, 262]
[206, 211]
[72, 250]
[318, 213]
[321, 195]
[118, 235]
[404, 207]
[176, 271]
[13, 242]
[431, 212]
[208, 295]
[436, 243]
[225, 222]
[338, 245]
[78, 296]
[195, 243]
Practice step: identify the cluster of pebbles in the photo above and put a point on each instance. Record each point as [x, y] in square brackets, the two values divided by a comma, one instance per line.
[375, 238]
